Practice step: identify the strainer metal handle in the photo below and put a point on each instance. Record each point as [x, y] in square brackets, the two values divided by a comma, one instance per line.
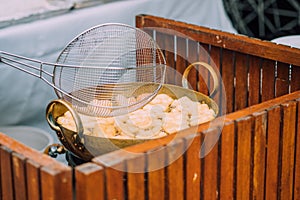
[35, 68]
[213, 73]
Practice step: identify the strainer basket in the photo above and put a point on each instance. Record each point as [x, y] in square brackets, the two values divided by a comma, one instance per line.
[97, 70]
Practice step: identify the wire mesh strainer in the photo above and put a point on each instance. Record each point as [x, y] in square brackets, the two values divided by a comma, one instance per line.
[100, 71]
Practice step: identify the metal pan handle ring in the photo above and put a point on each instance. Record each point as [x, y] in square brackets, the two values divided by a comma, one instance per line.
[206, 66]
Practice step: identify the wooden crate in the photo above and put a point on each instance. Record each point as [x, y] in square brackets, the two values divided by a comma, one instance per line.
[256, 155]
[28, 174]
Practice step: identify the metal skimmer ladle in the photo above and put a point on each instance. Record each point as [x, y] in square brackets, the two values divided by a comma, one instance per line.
[100, 70]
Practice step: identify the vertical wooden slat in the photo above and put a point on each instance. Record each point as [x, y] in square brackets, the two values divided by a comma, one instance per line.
[89, 183]
[228, 78]
[166, 43]
[227, 161]
[19, 176]
[193, 56]
[210, 169]
[272, 160]
[282, 79]
[56, 183]
[203, 74]
[295, 80]
[243, 173]
[288, 150]
[241, 76]
[254, 80]
[6, 173]
[114, 182]
[193, 167]
[215, 58]
[175, 174]
[33, 180]
[156, 173]
[268, 80]
[114, 173]
[181, 57]
[297, 155]
[136, 177]
[259, 144]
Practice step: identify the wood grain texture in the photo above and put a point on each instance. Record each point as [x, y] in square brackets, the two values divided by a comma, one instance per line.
[259, 155]
[90, 182]
[254, 80]
[175, 175]
[193, 56]
[288, 150]
[193, 167]
[268, 80]
[227, 163]
[211, 168]
[33, 180]
[282, 81]
[241, 77]
[295, 80]
[228, 74]
[273, 151]
[19, 176]
[243, 158]
[156, 177]
[136, 170]
[7, 187]
[297, 155]
[238, 43]
[56, 182]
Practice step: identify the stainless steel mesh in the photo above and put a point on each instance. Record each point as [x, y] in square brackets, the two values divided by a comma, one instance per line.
[101, 70]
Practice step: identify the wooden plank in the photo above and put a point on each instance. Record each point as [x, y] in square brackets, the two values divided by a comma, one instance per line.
[181, 57]
[193, 56]
[254, 80]
[193, 167]
[19, 177]
[259, 144]
[175, 170]
[268, 80]
[295, 80]
[282, 80]
[33, 180]
[272, 160]
[215, 59]
[56, 182]
[156, 173]
[241, 85]
[136, 177]
[115, 172]
[166, 43]
[211, 168]
[228, 79]
[227, 163]
[28, 152]
[243, 160]
[90, 183]
[203, 74]
[237, 43]
[114, 183]
[297, 155]
[6, 174]
[288, 150]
